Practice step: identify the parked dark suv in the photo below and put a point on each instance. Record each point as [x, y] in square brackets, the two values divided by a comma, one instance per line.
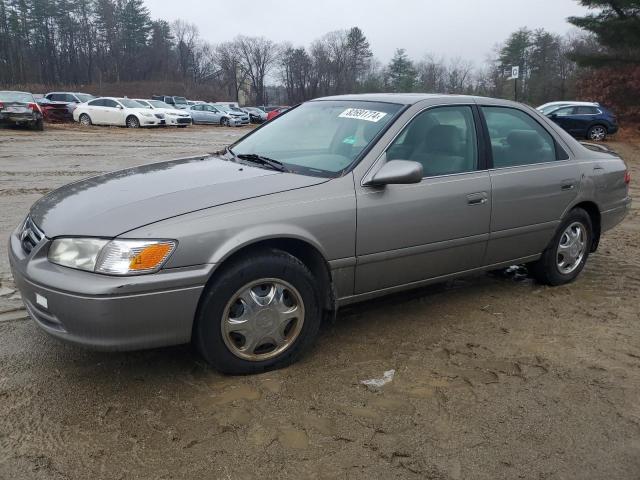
[591, 122]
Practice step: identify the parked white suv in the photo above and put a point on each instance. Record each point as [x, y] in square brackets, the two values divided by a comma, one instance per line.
[173, 116]
[122, 112]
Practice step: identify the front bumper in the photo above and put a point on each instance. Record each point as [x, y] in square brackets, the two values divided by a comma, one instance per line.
[151, 122]
[173, 121]
[106, 312]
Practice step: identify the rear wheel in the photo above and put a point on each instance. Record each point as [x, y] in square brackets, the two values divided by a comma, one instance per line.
[597, 133]
[133, 122]
[566, 255]
[260, 313]
[85, 120]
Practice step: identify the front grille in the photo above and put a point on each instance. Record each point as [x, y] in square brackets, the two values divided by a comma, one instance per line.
[184, 120]
[30, 235]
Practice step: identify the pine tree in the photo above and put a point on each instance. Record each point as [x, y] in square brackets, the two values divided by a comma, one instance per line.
[401, 72]
[616, 25]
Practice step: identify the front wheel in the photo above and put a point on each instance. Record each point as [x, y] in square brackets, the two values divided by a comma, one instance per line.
[133, 122]
[597, 133]
[85, 120]
[38, 125]
[224, 122]
[566, 255]
[260, 313]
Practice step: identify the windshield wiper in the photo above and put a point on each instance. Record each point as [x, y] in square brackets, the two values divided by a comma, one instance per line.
[255, 158]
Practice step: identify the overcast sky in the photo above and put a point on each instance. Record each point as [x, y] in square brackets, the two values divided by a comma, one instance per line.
[451, 28]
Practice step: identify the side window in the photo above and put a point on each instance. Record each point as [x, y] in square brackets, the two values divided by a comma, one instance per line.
[97, 103]
[110, 103]
[442, 139]
[516, 138]
[563, 112]
[70, 98]
[586, 110]
[197, 108]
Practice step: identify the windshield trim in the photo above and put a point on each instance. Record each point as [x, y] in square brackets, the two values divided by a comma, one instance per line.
[316, 172]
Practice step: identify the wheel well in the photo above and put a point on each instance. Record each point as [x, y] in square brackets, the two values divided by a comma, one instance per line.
[594, 213]
[303, 251]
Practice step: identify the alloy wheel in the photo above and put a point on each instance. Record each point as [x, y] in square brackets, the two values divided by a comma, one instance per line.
[262, 319]
[571, 248]
[597, 133]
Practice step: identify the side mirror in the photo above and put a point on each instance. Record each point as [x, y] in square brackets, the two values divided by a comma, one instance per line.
[553, 115]
[396, 172]
[120, 107]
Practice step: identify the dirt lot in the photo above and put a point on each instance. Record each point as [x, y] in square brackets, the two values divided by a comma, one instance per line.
[496, 377]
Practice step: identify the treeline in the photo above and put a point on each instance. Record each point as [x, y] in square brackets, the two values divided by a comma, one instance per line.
[107, 42]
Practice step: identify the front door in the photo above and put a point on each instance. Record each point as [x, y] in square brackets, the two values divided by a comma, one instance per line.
[409, 233]
[533, 183]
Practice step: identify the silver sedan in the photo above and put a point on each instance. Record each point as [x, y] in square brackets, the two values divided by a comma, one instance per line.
[336, 201]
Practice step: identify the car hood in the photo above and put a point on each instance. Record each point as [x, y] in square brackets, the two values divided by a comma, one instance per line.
[112, 204]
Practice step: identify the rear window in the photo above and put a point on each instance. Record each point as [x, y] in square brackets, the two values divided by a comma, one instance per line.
[16, 97]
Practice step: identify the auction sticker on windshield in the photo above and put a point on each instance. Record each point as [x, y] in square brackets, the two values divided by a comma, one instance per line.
[361, 114]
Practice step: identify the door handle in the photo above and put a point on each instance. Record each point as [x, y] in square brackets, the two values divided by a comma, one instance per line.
[477, 198]
[597, 167]
[567, 186]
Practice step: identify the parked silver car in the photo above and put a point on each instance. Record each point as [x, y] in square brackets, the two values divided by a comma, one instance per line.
[218, 115]
[338, 200]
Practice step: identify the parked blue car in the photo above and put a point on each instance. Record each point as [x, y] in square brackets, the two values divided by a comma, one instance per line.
[591, 122]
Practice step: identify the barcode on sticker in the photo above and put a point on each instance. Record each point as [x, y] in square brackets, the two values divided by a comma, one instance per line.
[361, 114]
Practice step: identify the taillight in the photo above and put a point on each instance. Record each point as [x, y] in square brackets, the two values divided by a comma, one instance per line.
[627, 177]
[1, 106]
[35, 107]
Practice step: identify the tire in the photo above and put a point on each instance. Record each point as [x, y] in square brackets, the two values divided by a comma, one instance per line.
[548, 269]
[224, 122]
[85, 120]
[218, 328]
[38, 125]
[132, 122]
[182, 126]
[597, 133]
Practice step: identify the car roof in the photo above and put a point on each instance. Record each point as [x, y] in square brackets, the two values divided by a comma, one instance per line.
[15, 91]
[400, 98]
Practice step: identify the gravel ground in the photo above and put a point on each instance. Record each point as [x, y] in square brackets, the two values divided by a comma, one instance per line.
[495, 376]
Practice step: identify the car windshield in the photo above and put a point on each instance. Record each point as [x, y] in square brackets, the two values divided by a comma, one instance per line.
[127, 102]
[224, 108]
[320, 138]
[159, 104]
[84, 97]
[144, 103]
[16, 97]
[180, 100]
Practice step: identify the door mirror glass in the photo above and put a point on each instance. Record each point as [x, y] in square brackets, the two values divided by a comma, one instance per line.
[397, 172]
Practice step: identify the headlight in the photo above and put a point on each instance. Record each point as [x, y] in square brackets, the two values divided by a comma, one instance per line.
[115, 257]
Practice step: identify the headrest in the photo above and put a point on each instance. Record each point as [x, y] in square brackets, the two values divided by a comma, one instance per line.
[443, 139]
[524, 140]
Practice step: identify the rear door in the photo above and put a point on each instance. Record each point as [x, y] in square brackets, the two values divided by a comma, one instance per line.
[409, 233]
[533, 182]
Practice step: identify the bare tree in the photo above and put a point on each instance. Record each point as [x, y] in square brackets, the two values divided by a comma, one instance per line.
[259, 56]
[230, 68]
